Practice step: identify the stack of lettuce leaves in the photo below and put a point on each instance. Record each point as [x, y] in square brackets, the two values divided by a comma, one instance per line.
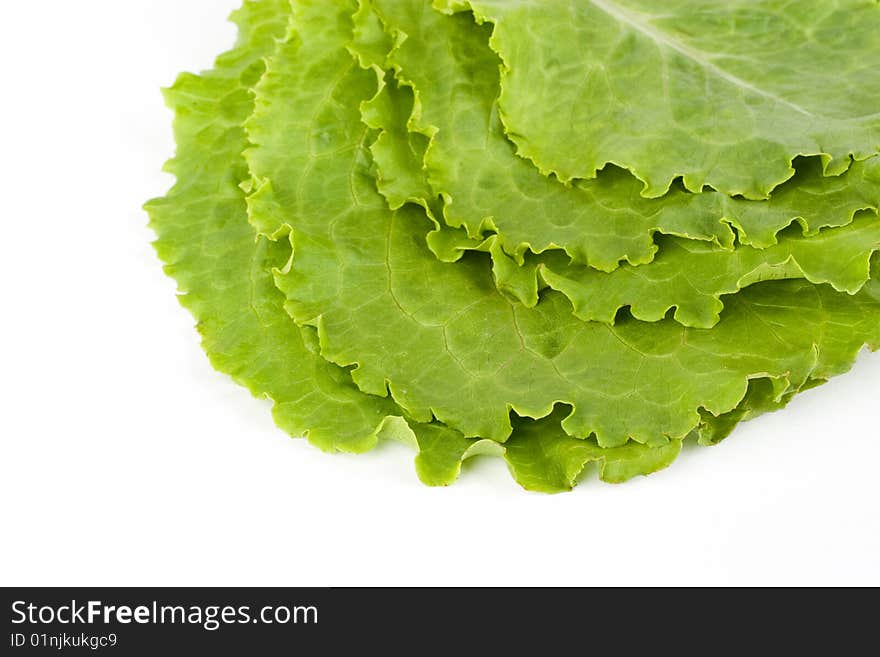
[561, 233]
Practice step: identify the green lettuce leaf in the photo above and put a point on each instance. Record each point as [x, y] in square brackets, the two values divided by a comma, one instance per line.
[471, 165]
[227, 272]
[224, 271]
[541, 456]
[440, 338]
[690, 276]
[224, 275]
[723, 94]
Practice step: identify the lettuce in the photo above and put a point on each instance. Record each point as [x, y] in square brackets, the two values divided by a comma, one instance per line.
[224, 271]
[304, 232]
[724, 94]
[443, 98]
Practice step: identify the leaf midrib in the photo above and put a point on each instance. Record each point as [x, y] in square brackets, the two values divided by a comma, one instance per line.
[637, 23]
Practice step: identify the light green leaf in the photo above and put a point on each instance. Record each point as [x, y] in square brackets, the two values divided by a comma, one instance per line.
[442, 451]
[224, 272]
[447, 345]
[543, 457]
[724, 94]
[688, 275]
[400, 177]
[439, 337]
[601, 222]
[472, 166]
[692, 276]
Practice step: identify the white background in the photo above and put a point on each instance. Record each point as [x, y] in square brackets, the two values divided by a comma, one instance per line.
[128, 461]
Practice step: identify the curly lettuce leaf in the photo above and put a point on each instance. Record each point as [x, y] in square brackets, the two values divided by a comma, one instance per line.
[224, 275]
[439, 337]
[471, 165]
[224, 272]
[724, 95]
[400, 177]
[454, 74]
[688, 275]
[541, 456]
[692, 277]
